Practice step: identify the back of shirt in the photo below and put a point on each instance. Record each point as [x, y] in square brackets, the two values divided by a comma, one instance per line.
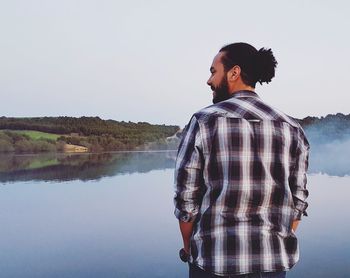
[241, 175]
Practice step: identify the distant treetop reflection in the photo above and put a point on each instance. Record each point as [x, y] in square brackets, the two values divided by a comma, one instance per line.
[66, 167]
[331, 158]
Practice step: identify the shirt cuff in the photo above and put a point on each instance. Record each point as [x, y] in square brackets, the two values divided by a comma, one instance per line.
[184, 216]
[298, 214]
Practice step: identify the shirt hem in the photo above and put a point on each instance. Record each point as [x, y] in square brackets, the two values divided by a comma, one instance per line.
[243, 272]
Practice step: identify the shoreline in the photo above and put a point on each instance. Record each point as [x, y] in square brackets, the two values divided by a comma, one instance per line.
[86, 153]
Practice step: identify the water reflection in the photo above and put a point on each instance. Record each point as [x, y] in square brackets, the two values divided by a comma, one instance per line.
[66, 167]
[123, 226]
[331, 159]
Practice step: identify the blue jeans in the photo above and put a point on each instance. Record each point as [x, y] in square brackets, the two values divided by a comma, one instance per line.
[196, 272]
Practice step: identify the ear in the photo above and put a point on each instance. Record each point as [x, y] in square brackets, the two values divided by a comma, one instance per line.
[234, 73]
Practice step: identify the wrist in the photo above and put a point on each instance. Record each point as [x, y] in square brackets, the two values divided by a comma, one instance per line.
[186, 249]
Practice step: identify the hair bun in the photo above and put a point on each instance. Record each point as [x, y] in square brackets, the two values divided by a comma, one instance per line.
[266, 64]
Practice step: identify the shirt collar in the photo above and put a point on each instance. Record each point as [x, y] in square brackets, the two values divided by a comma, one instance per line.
[244, 93]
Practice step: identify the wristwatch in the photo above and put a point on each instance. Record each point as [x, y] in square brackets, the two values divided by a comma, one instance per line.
[184, 256]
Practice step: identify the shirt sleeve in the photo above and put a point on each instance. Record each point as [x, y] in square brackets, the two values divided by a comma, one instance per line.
[298, 177]
[189, 173]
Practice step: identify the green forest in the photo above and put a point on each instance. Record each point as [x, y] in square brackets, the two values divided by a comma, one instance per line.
[51, 134]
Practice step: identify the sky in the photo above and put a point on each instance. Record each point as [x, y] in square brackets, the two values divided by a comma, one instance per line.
[148, 61]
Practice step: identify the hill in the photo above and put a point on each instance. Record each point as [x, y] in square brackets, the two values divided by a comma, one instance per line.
[90, 132]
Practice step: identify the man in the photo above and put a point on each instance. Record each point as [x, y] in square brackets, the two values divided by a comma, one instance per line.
[240, 176]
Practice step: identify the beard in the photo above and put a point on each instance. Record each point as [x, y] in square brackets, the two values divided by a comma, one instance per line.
[221, 92]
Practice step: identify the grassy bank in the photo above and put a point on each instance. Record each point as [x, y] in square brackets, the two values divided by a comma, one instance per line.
[37, 135]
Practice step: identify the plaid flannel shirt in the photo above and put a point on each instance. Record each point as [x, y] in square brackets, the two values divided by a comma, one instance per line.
[240, 175]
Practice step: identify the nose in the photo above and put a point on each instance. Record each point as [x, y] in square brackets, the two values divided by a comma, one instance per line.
[209, 81]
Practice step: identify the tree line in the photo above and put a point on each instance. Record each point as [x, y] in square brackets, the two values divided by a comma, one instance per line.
[109, 135]
[328, 128]
[92, 132]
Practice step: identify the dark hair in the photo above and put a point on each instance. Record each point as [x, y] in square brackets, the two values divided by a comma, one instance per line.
[256, 66]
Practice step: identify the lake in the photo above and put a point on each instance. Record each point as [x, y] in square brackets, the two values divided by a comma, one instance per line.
[111, 215]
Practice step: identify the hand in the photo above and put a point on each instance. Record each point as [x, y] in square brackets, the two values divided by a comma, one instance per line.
[184, 255]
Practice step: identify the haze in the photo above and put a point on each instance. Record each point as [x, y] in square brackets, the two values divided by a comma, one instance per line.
[149, 60]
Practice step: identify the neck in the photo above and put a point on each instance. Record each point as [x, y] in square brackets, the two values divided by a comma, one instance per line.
[241, 88]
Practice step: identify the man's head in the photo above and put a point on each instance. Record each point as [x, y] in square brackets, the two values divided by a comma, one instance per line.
[239, 66]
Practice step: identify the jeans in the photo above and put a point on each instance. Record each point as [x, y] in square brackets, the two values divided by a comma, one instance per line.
[196, 272]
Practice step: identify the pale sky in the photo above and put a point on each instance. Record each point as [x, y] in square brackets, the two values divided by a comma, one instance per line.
[149, 60]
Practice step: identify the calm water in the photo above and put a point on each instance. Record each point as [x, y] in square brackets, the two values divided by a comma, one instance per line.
[111, 215]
